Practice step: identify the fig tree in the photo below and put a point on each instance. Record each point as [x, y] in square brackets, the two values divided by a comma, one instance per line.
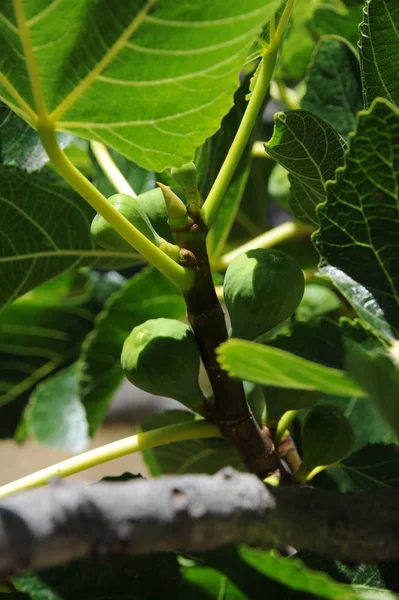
[161, 356]
[262, 288]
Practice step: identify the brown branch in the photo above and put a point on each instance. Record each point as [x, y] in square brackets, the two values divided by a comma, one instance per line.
[192, 513]
[230, 410]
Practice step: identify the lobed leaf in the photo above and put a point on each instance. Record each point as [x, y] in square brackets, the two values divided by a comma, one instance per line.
[359, 221]
[311, 150]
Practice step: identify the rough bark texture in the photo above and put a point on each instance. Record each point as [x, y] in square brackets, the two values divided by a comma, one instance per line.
[46, 527]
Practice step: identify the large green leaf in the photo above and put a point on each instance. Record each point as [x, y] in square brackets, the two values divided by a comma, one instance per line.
[148, 295]
[311, 150]
[272, 366]
[379, 51]
[20, 145]
[334, 90]
[359, 222]
[151, 79]
[191, 456]
[44, 230]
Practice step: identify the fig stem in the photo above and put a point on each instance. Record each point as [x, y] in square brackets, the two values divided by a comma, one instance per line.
[181, 277]
[110, 169]
[230, 410]
[283, 425]
[197, 429]
[264, 76]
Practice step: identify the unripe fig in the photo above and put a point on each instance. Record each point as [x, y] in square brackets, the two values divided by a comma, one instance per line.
[106, 236]
[152, 203]
[262, 288]
[327, 436]
[162, 357]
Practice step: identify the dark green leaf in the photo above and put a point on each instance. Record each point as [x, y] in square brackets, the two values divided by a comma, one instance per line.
[191, 456]
[369, 363]
[311, 150]
[141, 578]
[45, 230]
[317, 302]
[334, 91]
[379, 57]
[148, 295]
[20, 145]
[55, 415]
[272, 366]
[373, 467]
[338, 20]
[383, 575]
[36, 341]
[359, 222]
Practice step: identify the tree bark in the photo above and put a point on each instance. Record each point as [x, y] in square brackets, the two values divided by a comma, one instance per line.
[192, 513]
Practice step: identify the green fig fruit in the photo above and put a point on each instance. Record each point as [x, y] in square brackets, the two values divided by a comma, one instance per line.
[262, 288]
[152, 203]
[106, 236]
[162, 357]
[327, 436]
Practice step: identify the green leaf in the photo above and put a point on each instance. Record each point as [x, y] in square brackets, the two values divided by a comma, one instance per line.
[248, 569]
[117, 578]
[20, 145]
[379, 576]
[378, 51]
[179, 62]
[334, 91]
[55, 415]
[203, 583]
[148, 295]
[44, 230]
[36, 341]
[338, 20]
[366, 421]
[271, 366]
[359, 222]
[317, 302]
[376, 371]
[375, 466]
[311, 150]
[191, 456]
[361, 300]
